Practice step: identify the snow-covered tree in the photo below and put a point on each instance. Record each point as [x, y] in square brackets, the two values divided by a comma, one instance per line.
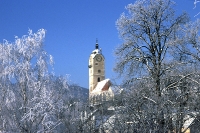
[32, 99]
[157, 59]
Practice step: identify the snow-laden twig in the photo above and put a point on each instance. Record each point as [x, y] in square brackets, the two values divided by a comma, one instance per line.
[149, 99]
[195, 5]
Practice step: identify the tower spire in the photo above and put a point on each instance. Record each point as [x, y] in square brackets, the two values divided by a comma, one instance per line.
[97, 45]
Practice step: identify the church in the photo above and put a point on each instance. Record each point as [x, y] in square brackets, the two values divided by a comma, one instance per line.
[99, 87]
[99, 115]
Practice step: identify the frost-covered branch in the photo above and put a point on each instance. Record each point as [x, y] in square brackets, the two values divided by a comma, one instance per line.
[195, 5]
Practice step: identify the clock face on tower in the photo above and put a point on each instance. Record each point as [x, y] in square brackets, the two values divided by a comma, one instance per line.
[98, 58]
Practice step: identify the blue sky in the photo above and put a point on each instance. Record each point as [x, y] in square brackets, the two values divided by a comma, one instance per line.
[72, 28]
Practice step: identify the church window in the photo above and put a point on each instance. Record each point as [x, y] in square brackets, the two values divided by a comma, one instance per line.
[96, 64]
[98, 80]
[99, 71]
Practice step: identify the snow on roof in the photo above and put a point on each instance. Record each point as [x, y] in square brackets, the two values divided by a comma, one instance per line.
[101, 86]
[95, 52]
[188, 122]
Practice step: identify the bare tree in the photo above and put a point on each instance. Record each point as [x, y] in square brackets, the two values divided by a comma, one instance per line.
[151, 34]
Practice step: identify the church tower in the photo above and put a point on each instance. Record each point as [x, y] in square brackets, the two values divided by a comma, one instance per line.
[96, 68]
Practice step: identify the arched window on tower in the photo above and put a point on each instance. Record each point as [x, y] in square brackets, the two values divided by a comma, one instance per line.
[98, 80]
